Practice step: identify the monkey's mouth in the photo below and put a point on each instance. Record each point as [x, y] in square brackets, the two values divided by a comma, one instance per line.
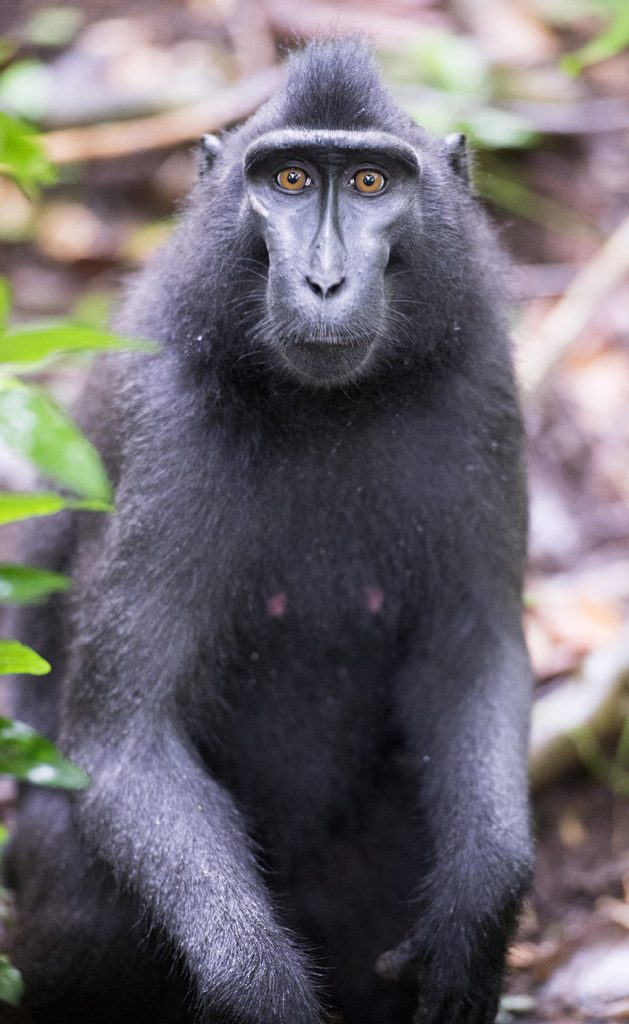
[326, 362]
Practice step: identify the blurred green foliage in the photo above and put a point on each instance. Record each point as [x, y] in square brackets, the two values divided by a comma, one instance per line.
[34, 426]
[25, 89]
[29, 347]
[20, 585]
[11, 984]
[15, 506]
[447, 85]
[17, 657]
[27, 756]
[53, 26]
[22, 156]
[612, 40]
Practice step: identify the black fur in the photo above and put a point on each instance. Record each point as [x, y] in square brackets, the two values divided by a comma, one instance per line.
[292, 662]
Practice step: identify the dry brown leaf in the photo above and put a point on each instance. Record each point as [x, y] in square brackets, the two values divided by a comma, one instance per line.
[615, 910]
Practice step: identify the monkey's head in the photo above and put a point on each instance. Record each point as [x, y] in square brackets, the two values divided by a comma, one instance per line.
[330, 206]
[346, 222]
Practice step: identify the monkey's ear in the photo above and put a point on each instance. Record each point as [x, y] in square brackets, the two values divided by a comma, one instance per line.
[459, 156]
[209, 148]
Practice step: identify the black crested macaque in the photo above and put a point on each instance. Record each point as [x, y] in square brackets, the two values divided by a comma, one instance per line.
[292, 662]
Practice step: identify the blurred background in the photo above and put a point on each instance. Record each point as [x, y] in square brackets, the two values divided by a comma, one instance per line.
[120, 91]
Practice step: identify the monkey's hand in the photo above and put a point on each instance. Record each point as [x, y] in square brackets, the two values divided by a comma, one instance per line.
[268, 983]
[459, 974]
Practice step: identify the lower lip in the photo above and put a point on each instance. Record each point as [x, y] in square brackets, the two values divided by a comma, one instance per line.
[326, 361]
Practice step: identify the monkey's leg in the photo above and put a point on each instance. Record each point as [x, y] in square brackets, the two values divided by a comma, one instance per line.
[464, 705]
[353, 898]
[167, 829]
[83, 948]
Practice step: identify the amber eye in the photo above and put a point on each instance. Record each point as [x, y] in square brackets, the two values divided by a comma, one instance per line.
[293, 179]
[369, 181]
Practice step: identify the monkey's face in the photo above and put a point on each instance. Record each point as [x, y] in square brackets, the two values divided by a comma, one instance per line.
[328, 208]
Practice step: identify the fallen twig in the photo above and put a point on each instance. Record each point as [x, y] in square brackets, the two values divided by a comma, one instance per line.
[121, 138]
[593, 701]
[574, 117]
[570, 316]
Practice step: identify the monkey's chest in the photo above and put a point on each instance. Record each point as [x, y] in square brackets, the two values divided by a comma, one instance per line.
[303, 719]
[317, 555]
[317, 588]
[325, 560]
[312, 626]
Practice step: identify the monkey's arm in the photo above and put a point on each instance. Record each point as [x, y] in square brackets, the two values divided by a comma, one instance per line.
[464, 707]
[153, 812]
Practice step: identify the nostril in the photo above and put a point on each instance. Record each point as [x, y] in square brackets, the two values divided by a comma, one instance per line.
[324, 291]
[317, 289]
[336, 286]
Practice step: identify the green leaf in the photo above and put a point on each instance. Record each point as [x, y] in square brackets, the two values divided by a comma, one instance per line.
[486, 127]
[30, 757]
[93, 309]
[8, 49]
[5, 302]
[32, 424]
[32, 344]
[15, 506]
[19, 659]
[452, 62]
[611, 41]
[11, 984]
[498, 129]
[444, 61]
[22, 584]
[513, 195]
[25, 88]
[54, 26]
[22, 156]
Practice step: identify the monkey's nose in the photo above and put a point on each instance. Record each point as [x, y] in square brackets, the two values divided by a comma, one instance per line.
[325, 285]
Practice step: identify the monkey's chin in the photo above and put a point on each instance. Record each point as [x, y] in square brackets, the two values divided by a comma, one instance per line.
[326, 364]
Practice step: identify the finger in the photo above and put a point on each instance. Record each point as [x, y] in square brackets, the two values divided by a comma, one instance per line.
[391, 965]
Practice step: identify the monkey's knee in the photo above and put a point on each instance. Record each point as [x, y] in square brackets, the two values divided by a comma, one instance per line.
[85, 951]
[88, 974]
